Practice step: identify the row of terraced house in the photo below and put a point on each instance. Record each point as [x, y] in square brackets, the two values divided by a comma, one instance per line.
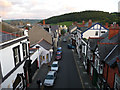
[23, 52]
[98, 47]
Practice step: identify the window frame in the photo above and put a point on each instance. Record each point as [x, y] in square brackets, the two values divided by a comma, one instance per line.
[16, 55]
[96, 33]
[25, 51]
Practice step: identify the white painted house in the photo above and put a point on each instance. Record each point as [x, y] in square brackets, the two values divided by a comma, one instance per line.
[40, 49]
[95, 30]
[13, 54]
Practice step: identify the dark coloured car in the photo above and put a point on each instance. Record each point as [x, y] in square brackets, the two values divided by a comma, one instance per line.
[64, 40]
[70, 46]
[58, 56]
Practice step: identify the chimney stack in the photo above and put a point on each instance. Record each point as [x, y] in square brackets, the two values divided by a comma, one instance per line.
[44, 22]
[90, 23]
[106, 25]
[83, 22]
[113, 31]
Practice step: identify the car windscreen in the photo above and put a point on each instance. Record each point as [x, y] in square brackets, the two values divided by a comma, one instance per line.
[54, 65]
[49, 77]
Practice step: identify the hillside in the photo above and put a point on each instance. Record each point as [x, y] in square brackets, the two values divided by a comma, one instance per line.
[98, 16]
[32, 21]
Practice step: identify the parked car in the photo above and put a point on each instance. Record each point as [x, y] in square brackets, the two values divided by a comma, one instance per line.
[50, 78]
[64, 40]
[70, 46]
[59, 50]
[54, 66]
[58, 56]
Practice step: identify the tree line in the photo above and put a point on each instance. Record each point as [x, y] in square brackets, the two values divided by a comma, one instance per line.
[96, 16]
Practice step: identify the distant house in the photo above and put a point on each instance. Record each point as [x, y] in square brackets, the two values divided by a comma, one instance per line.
[55, 34]
[14, 52]
[96, 30]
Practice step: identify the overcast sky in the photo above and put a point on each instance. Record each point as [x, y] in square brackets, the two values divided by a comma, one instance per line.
[42, 9]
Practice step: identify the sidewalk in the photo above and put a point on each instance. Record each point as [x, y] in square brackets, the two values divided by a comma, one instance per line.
[41, 74]
[86, 82]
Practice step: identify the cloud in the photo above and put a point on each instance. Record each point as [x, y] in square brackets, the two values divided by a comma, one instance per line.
[5, 4]
[5, 7]
[47, 8]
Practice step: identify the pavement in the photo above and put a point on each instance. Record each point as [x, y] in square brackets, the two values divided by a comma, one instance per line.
[42, 72]
[84, 77]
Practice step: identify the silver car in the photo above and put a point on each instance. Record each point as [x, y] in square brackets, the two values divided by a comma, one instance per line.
[50, 78]
[54, 66]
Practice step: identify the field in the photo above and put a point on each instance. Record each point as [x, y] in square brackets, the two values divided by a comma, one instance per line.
[64, 23]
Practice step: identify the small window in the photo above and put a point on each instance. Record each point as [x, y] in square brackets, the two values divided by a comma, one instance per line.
[96, 33]
[43, 57]
[40, 57]
[47, 56]
[102, 31]
[24, 45]
[16, 52]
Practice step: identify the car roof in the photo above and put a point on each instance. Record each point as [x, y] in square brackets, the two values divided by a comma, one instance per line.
[51, 72]
[59, 48]
[55, 62]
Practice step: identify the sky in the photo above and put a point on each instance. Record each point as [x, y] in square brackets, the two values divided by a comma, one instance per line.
[43, 9]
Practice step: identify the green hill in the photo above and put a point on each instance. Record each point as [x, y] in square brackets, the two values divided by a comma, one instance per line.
[98, 16]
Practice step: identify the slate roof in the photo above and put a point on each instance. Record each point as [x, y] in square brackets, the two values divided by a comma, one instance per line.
[71, 27]
[45, 44]
[37, 33]
[54, 28]
[9, 28]
[8, 32]
[93, 42]
[82, 28]
[105, 49]
[113, 57]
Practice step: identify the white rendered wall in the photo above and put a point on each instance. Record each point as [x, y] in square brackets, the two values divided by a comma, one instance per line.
[7, 64]
[91, 32]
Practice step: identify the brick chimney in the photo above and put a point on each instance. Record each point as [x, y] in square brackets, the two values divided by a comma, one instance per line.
[90, 23]
[44, 22]
[106, 25]
[83, 22]
[113, 30]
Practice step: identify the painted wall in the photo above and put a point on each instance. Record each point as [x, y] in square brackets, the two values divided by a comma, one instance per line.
[7, 64]
[7, 57]
[92, 31]
[10, 80]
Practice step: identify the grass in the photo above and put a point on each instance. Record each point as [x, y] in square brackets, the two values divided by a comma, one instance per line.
[64, 23]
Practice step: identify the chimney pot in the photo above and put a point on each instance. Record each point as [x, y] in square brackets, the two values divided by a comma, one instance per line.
[90, 23]
[44, 22]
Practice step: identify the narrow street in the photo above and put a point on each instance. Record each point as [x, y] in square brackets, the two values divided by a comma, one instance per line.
[67, 76]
